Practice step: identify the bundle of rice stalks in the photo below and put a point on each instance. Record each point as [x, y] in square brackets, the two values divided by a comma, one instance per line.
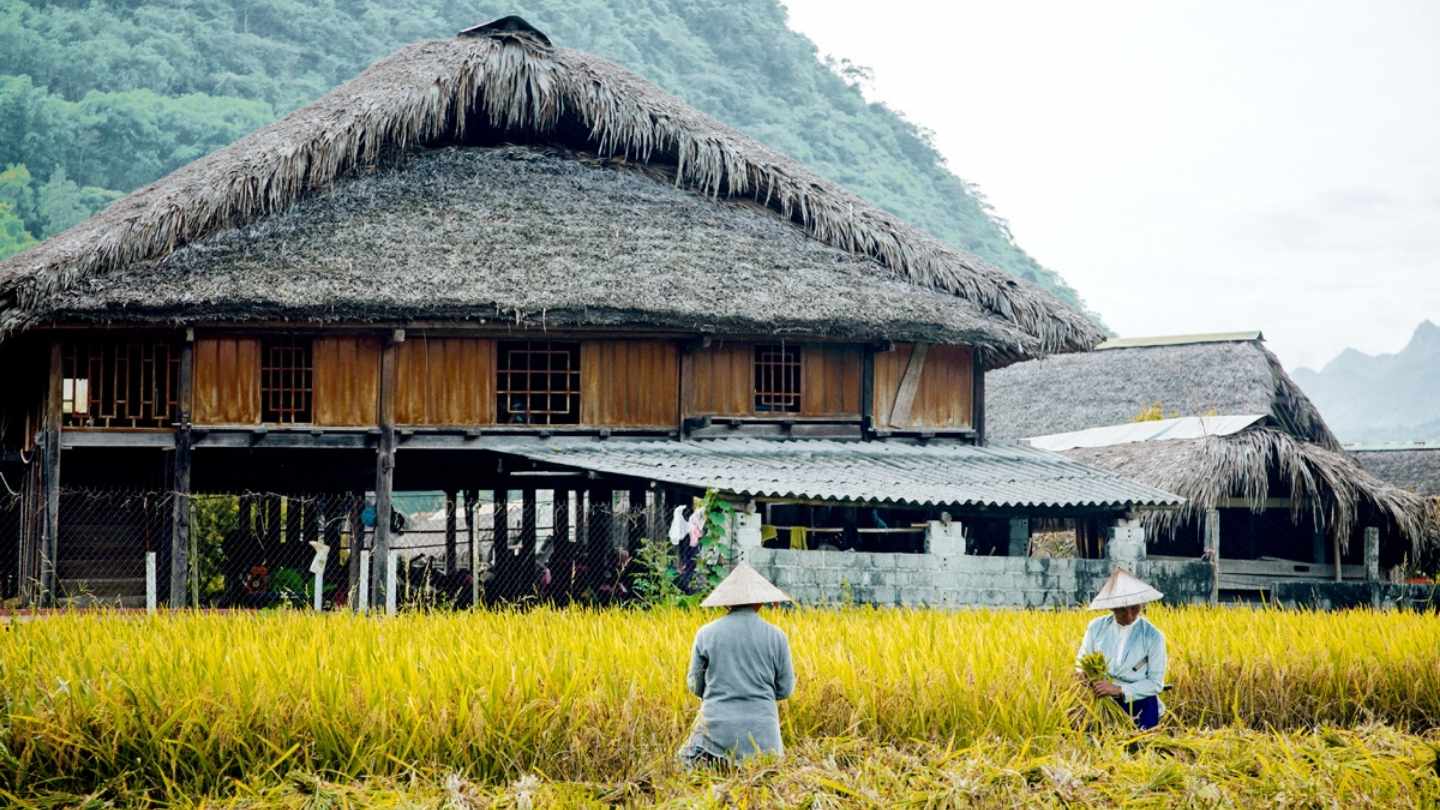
[1096, 710]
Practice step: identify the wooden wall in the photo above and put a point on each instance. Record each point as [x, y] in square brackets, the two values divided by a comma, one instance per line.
[347, 381]
[945, 393]
[720, 381]
[227, 381]
[629, 383]
[445, 381]
[830, 381]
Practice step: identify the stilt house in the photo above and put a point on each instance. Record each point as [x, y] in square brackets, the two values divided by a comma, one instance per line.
[490, 265]
[1270, 496]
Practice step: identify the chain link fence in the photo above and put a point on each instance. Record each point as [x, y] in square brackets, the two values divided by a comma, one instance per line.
[255, 550]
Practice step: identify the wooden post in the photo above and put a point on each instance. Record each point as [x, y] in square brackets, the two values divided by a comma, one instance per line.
[1212, 548]
[357, 542]
[977, 402]
[500, 542]
[1372, 554]
[470, 497]
[385, 466]
[638, 522]
[450, 531]
[867, 393]
[529, 541]
[180, 574]
[50, 543]
[1339, 567]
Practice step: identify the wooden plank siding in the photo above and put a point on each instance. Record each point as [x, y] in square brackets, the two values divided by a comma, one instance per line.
[945, 397]
[720, 381]
[227, 381]
[830, 381]
[445, 381]
[629, 383]
[346, 381]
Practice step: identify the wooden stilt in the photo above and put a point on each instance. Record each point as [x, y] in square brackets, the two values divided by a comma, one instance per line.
[50, 542]
[450, 532]
[180, 574]
[385, 466]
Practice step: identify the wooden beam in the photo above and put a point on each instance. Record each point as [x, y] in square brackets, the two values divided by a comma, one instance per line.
[1338, 561]
[1242, 503]
[909, 385]
[385, 466]
[180, 516]
[471, 496]
[50, 542]
[1212, 548]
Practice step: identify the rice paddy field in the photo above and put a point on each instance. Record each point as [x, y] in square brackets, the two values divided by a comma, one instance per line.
[572, 708]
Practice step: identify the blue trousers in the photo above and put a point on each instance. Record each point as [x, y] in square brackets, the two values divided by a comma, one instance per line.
[1146, 711]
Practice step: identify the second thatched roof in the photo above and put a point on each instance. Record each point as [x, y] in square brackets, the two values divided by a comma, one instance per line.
[509, 86]
[1196, 375]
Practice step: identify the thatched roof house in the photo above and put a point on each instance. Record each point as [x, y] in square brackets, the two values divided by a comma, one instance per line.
[495, 177]
[1416, 468]
[1282, 457]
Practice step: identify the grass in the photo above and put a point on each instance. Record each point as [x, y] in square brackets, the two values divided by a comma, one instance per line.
[282, 708]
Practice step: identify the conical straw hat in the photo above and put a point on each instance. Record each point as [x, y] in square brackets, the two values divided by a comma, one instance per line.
[744, 586]
[1123, 589]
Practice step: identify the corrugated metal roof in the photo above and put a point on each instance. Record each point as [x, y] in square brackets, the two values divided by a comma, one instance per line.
[934, 474]
[1179, 340]
[1156, 430]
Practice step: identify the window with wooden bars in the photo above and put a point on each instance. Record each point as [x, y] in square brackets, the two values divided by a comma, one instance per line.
[128, 384]
[538, 383]
[777, 378]
[287, 380]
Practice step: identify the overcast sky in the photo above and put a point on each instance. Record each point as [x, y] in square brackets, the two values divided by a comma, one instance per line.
[1188, 166]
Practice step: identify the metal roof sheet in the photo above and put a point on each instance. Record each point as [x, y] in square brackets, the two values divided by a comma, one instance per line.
[933, 474]
[1156, 430]
[1180, 340]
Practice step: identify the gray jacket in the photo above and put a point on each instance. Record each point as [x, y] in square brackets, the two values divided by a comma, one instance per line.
[739, 667]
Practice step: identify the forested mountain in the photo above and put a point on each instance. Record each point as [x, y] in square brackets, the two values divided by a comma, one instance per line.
[1381, 398]
[100, 97]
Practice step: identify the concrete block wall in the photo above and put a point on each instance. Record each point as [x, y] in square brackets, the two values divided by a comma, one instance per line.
[936, 580]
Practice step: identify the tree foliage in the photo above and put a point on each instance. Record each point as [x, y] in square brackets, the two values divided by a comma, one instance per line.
[121, 92]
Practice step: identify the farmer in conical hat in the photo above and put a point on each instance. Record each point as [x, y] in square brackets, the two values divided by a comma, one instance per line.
[1134, 648]
[739, 668]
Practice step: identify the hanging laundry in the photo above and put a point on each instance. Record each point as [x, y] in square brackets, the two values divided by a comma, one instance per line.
[797, 538]
[679, 526]
[767, 533]
[697, 527]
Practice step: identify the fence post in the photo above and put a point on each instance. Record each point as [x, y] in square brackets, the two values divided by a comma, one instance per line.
[362, 601]
[180, 516]
[150, 582]
[391, 557]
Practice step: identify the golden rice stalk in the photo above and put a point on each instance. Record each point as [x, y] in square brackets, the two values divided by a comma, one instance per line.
[1104, 712]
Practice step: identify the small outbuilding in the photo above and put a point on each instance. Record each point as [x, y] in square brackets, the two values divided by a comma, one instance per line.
[1270, 495]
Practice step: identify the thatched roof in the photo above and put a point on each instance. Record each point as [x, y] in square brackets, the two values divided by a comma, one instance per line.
[525, 235]
[511, 87]
[1326, 485]
[1414, 468]
[1114, 386]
